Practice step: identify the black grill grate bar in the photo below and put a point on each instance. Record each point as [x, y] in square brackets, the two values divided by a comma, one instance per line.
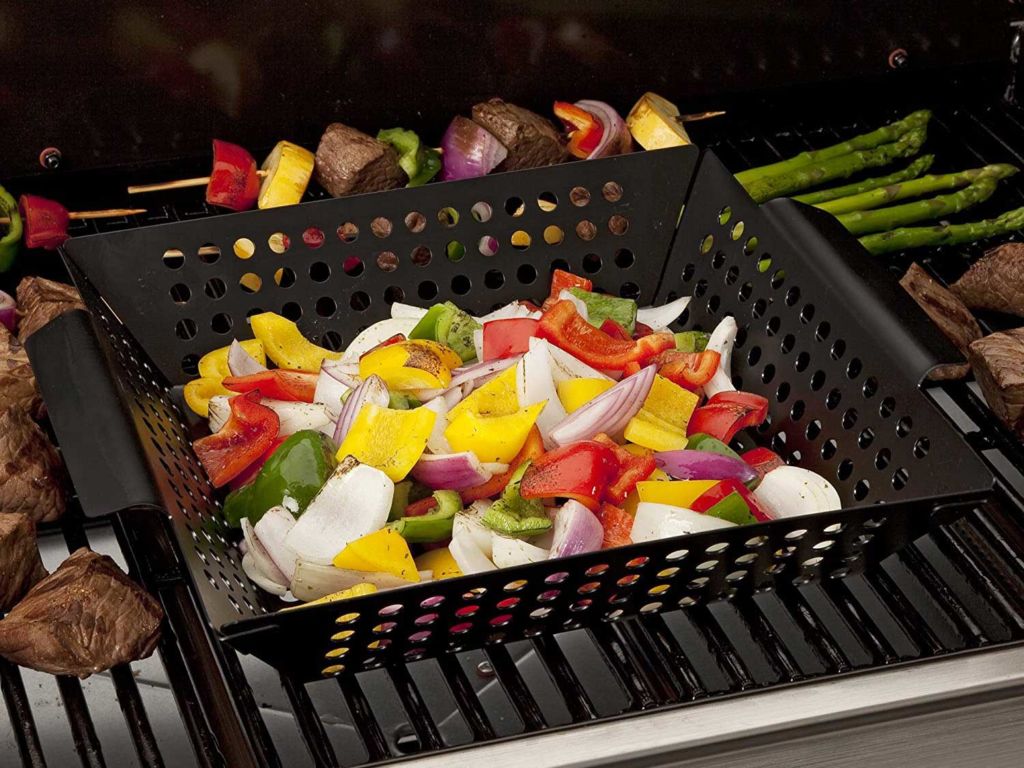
[465, 697]
[617, 659]
[363, 719]
[310, 725]
[651, 665]
[136, 718]
[569, 687]
[90, 752]
[412, 701]
[678, 660]
[20, 713]
[515, 688]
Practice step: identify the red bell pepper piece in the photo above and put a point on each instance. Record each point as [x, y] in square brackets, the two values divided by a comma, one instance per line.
[278, 384]
[565, 328]
[508, 337]
[690, 370]
[763, 460]
[615, 330]
[45, 221]
[632, 469]
[618, 525]
[246, 436]
[250, 472]
[726, 413]
[640, 330]
[234, 182]
[585, 130]
[563, 281]
[421, 507]
[581, 471]
[532, 449]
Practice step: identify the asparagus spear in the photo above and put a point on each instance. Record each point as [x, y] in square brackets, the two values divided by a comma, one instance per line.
[915, 188]
[862, 222]
[943, 234]
[836, 168]
[912, 171]
[884, 135]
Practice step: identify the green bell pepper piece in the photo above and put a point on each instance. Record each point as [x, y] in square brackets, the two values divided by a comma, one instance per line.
[407, 145]
[402, 402]
[732, 509]
[430, 165]
[433, 526]
[601, 307]
[298, 469]
[692, 341]
[426, 328]
[455, 329]
[709, 444]
[514, 516]
[11, 241]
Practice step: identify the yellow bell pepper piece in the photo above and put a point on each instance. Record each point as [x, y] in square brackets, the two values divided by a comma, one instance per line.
[366, 588]
[440, 562]
[575, 393]
[408, 365]
[214, 365]
[492, 438]
[654, 123]
[383, 551]
[678, 493]
[671, 403]
[649, 431]
[288, 168]
[390, 440]
[285, 344]
[199, 392]
[495, 398]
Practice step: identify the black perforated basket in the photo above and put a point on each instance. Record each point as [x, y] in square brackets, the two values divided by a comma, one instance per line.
[840, 355]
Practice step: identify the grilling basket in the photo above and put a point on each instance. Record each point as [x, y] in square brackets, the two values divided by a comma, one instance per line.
[841, 353]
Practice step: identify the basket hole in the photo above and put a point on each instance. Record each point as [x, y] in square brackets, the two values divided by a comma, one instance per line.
[768, 374]
[754, 355]
[284, 277]
[718, 260]
[186, 329]
[903, 426]
[526, 274]
[849, 418]
[779, 442]
[387, 261]
[359, 301]
[521, 240]
[313, 237]
[180, 293]
[802, 361]
[591, 263]
[764, 264]
[886, 408]
[596, 570]
[745, 290]
[481, 212]
[773, 325]
[221, 323]
[326, 306]
[822, 331]
[494, 279]
[837, 350]
[807, 313]
[579, 196]
[586, 230]
[817, 380]
[882, 458]
[348, 232]
[553, 235]
[792, 296]
[381, 226]
[352, 266]
[782, 392]
[474, 594]
[813, 430]
[514, 206]
[624, 258]
[319, 272]
[279, 242]
[748, 250]
[455, 251]
[612, 191]
[461, 285]
[448, 217]
[331, 340]
[488, 245]
[209, 253]
[713, 304]
[866, 437]
[724, 215]
[797, 411]
[547, 201]
[921, 447]
[737, 230]
[833, 398]
[427, 290]
[900, 478]
[778, 278]
[215, 288]
[788, 342]
[861, 489]
[732, 275]
[707, 244]
[759, 308]
[244, 248]
[618, 224]
[292, 311]
[845, 469]
[629, 291]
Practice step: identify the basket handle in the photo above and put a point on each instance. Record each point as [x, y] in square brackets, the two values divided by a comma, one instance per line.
[873, 295]
[97, 436]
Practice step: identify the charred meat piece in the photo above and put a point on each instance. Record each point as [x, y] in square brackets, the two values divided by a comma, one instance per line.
[85, 617]
[947, 312]
[998, 363]
[531, 140]
[31, 472]
[995, 281]
[17, 381]
[348, 162]
[20, 564]
[40, 301]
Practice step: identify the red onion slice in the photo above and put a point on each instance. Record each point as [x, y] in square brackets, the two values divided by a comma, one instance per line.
[702, 465]
[450, 471]
[609, 412]
[241, 363]
[478, 371]
[616, 139]
[373, 390]
[469, 150]
[8, 311]
[577, 530]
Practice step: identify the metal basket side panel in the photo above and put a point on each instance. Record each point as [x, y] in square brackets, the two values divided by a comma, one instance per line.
[336, 266]
[845, 397]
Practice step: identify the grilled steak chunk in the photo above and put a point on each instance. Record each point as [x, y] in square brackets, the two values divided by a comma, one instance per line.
[85, 617]
[995, 281]
[349, 162]
[41, 300]
[31, 472]
[20, 564]
[998, 362]
[947, 312]
[530, 139]
[17, 381]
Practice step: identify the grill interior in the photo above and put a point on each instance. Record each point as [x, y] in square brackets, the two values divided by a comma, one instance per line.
[955, 590]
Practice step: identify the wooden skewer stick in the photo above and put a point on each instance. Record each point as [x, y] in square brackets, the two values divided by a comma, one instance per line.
[696, 116]
[106, 213]
[196, 181]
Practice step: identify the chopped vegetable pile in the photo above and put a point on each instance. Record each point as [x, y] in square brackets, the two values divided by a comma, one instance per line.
[440, 444]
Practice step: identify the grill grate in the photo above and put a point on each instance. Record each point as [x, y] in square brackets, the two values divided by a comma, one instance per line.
[952, 591]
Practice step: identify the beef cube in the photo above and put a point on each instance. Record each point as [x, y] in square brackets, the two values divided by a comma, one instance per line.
[40, 301]
[348, 162]
[31, 471]
[998, 363]
[531, 140]
[947, 312]
[20, 564]
[17, 380]
[995, 281]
